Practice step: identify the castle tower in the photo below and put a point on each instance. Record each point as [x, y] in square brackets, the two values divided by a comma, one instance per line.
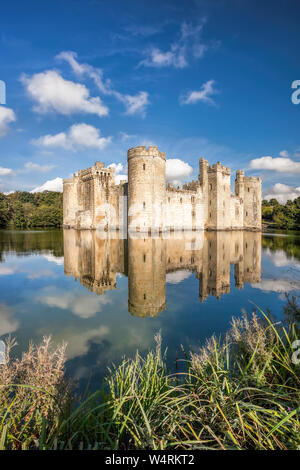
[218, 196]
[70, 201]
[249, 190]
[146, 276]
[252, 202]
[203, 180]
[146, 189]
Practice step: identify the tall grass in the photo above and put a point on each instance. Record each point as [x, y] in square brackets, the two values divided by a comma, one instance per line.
[240, 393]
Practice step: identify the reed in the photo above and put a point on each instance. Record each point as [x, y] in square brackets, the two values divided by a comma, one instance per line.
[239, 393]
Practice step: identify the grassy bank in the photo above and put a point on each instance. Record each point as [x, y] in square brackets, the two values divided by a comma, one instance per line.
[242, 393]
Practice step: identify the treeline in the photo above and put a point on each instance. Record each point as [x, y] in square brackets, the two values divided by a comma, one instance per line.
[284, 216]
[22, 210]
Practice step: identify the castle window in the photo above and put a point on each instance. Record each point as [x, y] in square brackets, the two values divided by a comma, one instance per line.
[210, 203]
[180, 259]
[169, 260]
[248, 190]
[246, 214]
[192, 260]
[144, 166]
[193, 199]
[144, 205]
[210, 215]
[210, 187]
[144, 296]
[144, 258]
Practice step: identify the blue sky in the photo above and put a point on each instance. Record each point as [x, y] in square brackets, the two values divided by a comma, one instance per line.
[86, 80]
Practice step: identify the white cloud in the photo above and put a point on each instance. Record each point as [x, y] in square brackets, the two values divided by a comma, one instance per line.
[51, 185]
[30, 166]
[279, 164]
[7, 323]
[7, 116]
[176, 277]
[134, 104]
[118, 167]
[59, 260]
[57, 140]
[53, 93]
[84, 306]
[157, 58]
[281, 192]
[5, 171]
[284, 153]
[204, 94]
[177, 170]
[6, 270]
[188, 43]
[276, 285]
[78, 136]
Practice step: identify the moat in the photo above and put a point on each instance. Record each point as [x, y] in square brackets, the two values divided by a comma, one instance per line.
[108, 297]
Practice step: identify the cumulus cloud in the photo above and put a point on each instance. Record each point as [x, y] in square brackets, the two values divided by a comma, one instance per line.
[51, 185]
[284, 153]
[134, 104]
[176, 277]
[177, 170]
[52, 93]
[119, 168]
[281, 192]
[84, 306]
[5, 171]
[7, 116]
[77, 137]
[279, 164]
[204, 94]
[276, 285]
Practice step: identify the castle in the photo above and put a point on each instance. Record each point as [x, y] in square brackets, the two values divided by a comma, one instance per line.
[152, 263]
[145, 203]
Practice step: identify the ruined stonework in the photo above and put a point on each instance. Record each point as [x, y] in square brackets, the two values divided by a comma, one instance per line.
[92, 200]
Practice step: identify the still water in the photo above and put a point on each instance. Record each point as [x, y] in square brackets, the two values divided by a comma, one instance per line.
[107, 298]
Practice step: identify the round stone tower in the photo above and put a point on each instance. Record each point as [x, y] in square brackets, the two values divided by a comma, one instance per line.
[146, 189]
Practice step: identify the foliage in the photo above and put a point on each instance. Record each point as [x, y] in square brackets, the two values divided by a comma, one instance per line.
[242, 393]
[286, 216]
[23, 209]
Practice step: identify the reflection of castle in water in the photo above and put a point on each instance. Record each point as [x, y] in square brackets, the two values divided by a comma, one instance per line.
[149, 261]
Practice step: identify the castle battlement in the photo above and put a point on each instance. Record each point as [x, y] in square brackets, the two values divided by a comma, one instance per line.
[93, 200]
[142, 151]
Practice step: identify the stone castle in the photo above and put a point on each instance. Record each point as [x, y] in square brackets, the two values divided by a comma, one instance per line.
[152, 263]
[145, 203]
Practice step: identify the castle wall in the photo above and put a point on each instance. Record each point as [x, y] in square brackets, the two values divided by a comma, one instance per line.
[155, 262]
[92, 200]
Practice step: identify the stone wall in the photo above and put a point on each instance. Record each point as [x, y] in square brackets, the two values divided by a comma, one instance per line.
[152, 263]
[92, 200]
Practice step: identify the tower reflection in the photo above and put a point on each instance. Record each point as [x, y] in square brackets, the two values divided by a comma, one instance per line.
[150, 262]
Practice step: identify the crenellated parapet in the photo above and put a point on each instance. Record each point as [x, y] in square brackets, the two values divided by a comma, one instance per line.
[142, 151]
